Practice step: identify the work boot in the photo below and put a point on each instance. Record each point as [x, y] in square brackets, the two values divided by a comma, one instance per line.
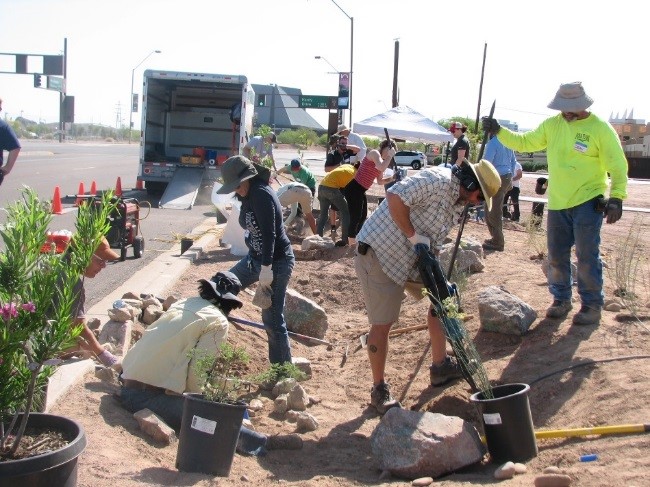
[445, 372]
[490, 245]
[284, 442]
[559, 309]
[587, 316]
[381, 399]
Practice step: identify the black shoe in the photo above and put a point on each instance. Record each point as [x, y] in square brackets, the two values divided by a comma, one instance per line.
[587, 316]
[445, 372]
[492, 246]
[381, 399]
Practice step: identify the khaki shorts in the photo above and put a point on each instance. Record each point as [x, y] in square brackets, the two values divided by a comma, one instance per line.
[383, 296]
[299, 195]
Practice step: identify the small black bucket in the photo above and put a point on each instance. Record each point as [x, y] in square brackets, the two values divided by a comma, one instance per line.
[186, 244]
[208, 437]
[507, 423]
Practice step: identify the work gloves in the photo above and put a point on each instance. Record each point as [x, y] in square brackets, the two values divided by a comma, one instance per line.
[266, 276]
[417, 239]
[490, 125]
[614, 210]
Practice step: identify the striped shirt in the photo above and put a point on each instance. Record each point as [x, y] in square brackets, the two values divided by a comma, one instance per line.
[367, 173]
[432, 196]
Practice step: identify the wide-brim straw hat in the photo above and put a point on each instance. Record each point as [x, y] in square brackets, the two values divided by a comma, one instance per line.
[488, 178]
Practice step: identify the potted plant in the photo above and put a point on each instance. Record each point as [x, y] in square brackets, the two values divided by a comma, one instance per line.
[34, 331]
[211, 421]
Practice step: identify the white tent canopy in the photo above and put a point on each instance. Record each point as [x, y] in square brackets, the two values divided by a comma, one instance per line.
[403, 123]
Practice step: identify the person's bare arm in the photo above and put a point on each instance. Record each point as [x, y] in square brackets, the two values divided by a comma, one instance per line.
[11, 160]
[400, 213]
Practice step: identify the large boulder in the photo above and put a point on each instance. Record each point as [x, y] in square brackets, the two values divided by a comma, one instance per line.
[304, 316]
[503, 312]
[413, 444]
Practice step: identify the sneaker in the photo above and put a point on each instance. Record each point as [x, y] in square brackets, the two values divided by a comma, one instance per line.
[559, 309]
[445, 372]
[381, 399]
[284, 442]
[587, 316]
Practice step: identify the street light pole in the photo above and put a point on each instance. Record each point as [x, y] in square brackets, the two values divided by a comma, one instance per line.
[131, 98]
[351, 56]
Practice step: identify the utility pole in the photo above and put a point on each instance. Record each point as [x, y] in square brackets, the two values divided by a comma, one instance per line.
[395, 70]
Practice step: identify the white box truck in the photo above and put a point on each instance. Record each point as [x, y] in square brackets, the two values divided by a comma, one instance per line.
[191, 122]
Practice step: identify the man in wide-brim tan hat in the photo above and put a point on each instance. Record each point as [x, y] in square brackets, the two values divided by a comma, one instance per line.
[581, 150]
[418, 211]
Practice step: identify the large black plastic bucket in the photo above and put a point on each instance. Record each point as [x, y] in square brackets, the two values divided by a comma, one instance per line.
[57, 467]
[507, 423]
[208, 437]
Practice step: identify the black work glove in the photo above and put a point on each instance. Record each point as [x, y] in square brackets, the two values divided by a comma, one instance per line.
[490, 125]
[614, 210]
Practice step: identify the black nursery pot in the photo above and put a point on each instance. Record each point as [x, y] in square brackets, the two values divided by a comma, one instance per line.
[508, 423]
[57, 468]
[208, 437]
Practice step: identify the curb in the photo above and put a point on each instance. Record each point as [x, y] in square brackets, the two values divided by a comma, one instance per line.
[156, 278]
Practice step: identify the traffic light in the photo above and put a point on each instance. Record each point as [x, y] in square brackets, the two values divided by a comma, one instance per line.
[134, 102]
[37, 81]
[261, 100]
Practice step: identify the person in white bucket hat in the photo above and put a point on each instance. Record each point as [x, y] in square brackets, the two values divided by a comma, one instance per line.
[581, 150]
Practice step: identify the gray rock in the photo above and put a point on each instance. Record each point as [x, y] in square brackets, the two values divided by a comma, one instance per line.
[505, 471]
[151, 301]
[298, 399]
[118, 334]
[467, 261]
[283, 387]
[502, 312]
[151, 313]
[413, 444]
[316, 242]
[306, 422]
[281, 404]
[304, 316]
[303, 364]
[121, 314]
[169, 301]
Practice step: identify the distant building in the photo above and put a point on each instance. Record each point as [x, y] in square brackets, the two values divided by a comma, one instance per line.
[277, 107]
[634, 133]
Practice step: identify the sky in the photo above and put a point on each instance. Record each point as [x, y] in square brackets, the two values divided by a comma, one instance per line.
[532, 47]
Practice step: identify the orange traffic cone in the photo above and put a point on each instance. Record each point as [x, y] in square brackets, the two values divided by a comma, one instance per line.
[80, 194]
[57, 207]
[93, 188]
[139, 184]
[118, 187]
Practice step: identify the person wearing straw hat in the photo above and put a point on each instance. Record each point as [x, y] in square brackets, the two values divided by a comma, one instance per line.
[418, 210]
[581, 150]
[270, 258]
[354, 141]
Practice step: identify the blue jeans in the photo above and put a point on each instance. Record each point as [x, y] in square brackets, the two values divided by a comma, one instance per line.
[248, 271]
[170, 409]
[579, 226]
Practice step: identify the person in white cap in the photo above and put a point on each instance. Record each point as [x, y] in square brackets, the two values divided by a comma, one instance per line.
[581, 150]
[418, 211]
[353, 140]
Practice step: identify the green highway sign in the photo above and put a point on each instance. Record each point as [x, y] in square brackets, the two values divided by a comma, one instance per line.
[56, 84]
[317, 101]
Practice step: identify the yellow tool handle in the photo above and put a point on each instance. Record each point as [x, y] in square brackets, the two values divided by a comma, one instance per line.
[598, 430]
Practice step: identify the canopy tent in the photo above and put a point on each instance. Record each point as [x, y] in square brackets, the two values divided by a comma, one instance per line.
[403, 123]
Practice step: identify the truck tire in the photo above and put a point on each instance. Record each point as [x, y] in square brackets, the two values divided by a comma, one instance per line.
[138, 246]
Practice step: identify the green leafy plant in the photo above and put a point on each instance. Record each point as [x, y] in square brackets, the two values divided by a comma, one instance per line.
[220, 373]
[278, 372]
[33, 331]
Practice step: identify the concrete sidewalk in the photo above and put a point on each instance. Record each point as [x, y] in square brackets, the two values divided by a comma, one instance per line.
[157, 279]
